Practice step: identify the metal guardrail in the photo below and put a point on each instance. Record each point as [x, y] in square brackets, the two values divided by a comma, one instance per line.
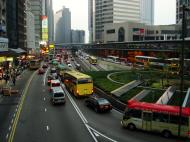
[114, 101]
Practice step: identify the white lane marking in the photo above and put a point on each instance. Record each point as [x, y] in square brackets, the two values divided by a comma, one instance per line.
[95, 131]
[7, 136]
[9, 128]
[44, 98]
[45, 109]
[76, 107]
[45, 76]
[47, 127]
[97, 135]
[12, 121]
[80, 114]
[117, 111]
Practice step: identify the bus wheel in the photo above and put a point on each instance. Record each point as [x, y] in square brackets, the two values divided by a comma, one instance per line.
[131, 126]
[166, 134]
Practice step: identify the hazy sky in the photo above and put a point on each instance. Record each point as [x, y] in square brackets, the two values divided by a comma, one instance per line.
[164, 12]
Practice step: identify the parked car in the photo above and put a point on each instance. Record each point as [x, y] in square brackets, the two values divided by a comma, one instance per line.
[41, 71]
[57, 95]
[98, 104]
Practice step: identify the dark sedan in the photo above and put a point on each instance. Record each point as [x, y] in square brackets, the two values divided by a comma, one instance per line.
[98, 104]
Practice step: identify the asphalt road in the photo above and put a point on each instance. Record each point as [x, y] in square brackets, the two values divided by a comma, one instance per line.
[8, 106]
[40, 121]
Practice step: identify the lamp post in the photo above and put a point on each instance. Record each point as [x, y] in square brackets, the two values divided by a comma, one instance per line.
[184, 9]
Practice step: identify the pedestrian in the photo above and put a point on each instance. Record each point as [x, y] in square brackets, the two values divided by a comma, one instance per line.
[14, 80]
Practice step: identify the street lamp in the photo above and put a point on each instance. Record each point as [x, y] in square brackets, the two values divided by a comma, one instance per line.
[184, 10]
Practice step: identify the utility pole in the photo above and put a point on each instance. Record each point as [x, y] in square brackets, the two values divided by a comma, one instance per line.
[184, 9]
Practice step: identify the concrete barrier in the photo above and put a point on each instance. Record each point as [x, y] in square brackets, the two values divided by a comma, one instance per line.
[141, 95]
[164, 99]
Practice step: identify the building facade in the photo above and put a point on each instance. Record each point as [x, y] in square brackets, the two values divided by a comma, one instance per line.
[63, 26]
[47, 10]
[179, 4]
[77, 36]
[133, 31]
[36, 8]
[3, 18]
[118, 11]
[16, 23]
[30, 27]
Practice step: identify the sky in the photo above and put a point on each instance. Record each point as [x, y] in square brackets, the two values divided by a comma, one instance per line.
[164, 12]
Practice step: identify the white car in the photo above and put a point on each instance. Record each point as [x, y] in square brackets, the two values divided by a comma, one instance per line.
[69, 65]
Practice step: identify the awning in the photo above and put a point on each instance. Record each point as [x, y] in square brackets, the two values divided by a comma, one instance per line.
[18, 50]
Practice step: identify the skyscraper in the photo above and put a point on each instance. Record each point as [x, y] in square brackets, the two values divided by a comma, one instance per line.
[179, 4]
[3, 18]
[118, 11]
[47, 10]
[63, 26]
[36, 8]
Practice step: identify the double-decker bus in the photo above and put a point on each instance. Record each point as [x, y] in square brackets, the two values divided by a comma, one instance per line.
[78, 83]
[113, 59]
[34, 64]
[156, 118]
[143, 61]
[92, 60]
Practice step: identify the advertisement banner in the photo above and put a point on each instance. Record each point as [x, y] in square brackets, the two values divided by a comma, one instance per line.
[3, 44]
[44, 28]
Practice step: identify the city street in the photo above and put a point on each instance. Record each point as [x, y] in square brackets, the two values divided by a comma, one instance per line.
[40, 121]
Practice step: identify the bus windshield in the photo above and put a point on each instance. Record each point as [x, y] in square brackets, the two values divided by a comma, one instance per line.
[83, 81]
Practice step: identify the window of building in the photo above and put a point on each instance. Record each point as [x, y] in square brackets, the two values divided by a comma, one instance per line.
[111, 31]
[121, 34]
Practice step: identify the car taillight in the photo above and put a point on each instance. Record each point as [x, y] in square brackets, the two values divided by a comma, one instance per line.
[49, 80]
[101, 107]
[188, 133]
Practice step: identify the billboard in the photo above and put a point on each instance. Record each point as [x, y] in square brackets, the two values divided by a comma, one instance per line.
[44, 28]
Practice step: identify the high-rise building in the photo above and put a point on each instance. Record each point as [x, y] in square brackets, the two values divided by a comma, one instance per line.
[47, 10]
[30, 28]
[77, 36]
[118, 11]
[36, 8]
[179, 4]
[63, 26]
[3, 18]
[16, 23]
[91, 20]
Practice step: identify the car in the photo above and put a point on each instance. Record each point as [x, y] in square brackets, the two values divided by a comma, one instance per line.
[53, 72]
[41, 71]
[57, 96]
[69, 65]
[45, 66]
[54, 83]
[49, 78]
[98, 104]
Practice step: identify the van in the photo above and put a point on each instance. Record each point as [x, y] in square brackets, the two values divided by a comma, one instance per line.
[54, 83]
[57, 95]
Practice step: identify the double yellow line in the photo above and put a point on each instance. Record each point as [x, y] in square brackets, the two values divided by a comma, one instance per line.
[12, 133]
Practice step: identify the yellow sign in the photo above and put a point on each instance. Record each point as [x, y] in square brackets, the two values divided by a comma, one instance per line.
[51, 46]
